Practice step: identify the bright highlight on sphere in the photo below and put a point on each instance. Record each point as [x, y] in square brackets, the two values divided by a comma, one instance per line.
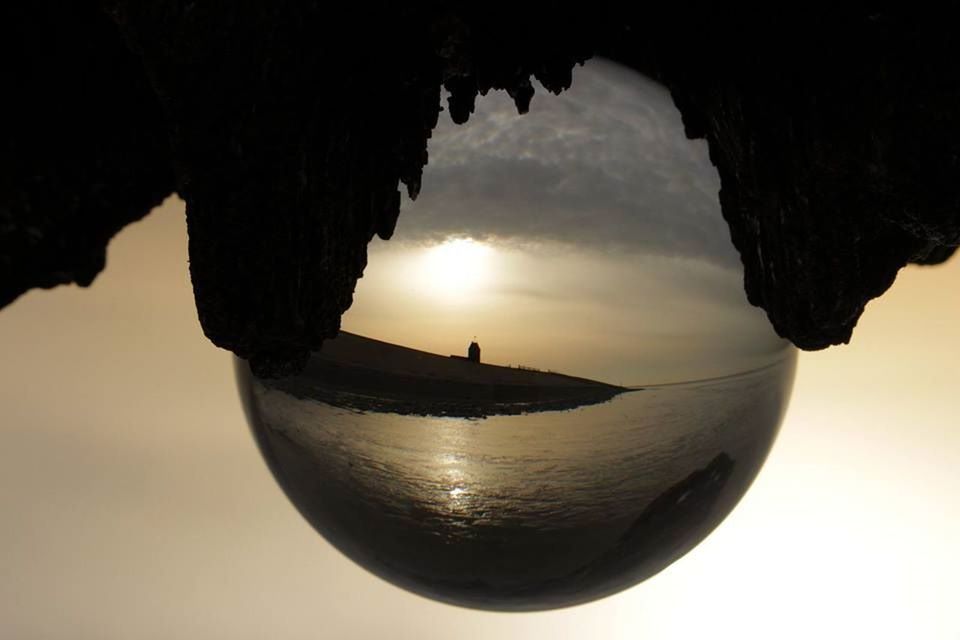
[456, 269]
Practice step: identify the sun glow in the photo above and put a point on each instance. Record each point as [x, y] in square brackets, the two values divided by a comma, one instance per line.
[456, 270]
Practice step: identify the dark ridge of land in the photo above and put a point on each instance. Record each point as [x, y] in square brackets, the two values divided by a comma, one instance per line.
[364, 374]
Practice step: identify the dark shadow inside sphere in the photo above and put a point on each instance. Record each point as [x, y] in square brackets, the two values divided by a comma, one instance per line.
[517, 512]
[625, 394]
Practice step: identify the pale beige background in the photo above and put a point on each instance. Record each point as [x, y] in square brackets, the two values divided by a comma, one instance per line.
[133, 503]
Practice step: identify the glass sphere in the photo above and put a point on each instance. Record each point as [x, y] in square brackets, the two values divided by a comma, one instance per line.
[550, 385]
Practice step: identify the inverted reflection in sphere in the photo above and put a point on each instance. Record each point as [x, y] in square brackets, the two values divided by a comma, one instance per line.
[618, 395]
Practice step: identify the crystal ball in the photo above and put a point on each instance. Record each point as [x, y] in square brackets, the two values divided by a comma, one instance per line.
[550, 384]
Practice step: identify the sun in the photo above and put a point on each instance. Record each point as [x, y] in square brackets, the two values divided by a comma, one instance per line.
[456, 270]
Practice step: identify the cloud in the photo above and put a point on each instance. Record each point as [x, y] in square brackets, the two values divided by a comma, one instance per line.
[605, 166]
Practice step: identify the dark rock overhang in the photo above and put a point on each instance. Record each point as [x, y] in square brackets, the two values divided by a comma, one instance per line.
[287, 127]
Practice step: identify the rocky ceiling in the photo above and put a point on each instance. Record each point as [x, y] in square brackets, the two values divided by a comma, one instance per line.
[288, 127]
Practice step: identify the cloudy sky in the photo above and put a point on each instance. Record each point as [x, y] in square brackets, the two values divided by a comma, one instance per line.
[604, 166]
[590, 224]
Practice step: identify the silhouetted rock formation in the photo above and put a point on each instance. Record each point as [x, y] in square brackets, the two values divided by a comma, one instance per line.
[289, 128]
[836, 135]
[83, 145]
